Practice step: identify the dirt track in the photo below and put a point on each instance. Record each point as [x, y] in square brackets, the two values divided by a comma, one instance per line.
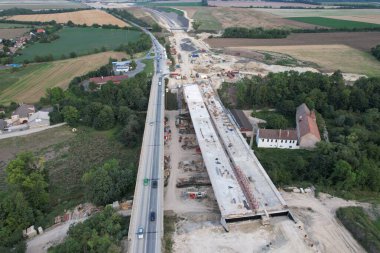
[359, 40]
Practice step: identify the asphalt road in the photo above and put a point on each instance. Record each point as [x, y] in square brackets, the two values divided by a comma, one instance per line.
[146, 198]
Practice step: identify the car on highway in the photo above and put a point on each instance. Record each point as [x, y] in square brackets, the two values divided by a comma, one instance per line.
[146, 181]
[159, 83]
[140, 233]
[154, 183]
[152, 216]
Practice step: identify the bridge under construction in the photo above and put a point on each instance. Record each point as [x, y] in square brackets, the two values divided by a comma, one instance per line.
[242, 187]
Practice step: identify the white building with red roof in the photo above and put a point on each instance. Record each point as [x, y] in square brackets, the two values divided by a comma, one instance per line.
[305, 136]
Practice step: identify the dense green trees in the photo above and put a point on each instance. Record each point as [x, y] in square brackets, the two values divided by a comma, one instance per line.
[351, 113]
[108, 183]
[376, 52]
[254, 33]
[100, 233]
[25, 200]
[103, 109]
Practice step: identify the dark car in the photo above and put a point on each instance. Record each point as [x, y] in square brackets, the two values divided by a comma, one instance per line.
[154, 183]
[152, 216]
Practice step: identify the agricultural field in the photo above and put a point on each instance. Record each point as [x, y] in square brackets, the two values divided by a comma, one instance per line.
[360, 40]
[40, 4]
[29, 83]
[334, 23]
[287, 13]
[80, 41]
[11, 33]
[245, 17]
[88, 17]
[142, 14]
[328, 57]
[9, 25]
[256, 4]
[170, 3]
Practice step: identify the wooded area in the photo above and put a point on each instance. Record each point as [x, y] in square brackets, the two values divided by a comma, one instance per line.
[350, 161]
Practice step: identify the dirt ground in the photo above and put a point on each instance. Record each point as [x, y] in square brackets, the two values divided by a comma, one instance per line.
[329, 58]
[359, 40]
[88, 17]
[229, 17]
[12, 33]
[316, 230]
[174, 200]
[374, 19]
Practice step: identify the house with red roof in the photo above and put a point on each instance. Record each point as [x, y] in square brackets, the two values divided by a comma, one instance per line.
[104, 79]
[307, 128]
[306, 135]
[40, 30]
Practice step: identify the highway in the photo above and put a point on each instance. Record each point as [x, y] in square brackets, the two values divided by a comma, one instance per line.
[148, 199]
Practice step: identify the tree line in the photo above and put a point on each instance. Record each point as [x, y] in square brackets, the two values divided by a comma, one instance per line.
[351, 159]
[254, 33]
[261, 33]
[376, 52]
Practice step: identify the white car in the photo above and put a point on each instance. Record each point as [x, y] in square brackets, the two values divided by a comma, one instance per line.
[159, 83]
[140, 233]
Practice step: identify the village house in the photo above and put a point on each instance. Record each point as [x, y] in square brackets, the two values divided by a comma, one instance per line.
[277, 138]
[305, 136]
[122, 67]
[39, 119]
[22, 113]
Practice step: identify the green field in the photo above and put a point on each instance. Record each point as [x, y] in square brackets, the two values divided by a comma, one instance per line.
[207, 20]
[167, 9]
[40, 4]
[334, 23]
[81, 41]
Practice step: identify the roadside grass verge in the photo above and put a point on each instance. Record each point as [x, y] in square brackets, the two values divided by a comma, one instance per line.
[149, 66]
[169, 229]
[364, 229]
[334, 23]
[80, 41]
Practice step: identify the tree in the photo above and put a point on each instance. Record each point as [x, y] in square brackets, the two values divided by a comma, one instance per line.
[26, 174]
[70, 23]
[343, 176]
[133, 65]
[107, 183]
[70, 115]
[123, 115]
[105, 119]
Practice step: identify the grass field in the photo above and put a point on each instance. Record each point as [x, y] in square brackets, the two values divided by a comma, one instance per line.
[207, 20]
[88, 17]
[29, 83]
[67, 157]
[334, 23]
[79, 40]
[373, 19]
[330, 57]
[40, 4]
